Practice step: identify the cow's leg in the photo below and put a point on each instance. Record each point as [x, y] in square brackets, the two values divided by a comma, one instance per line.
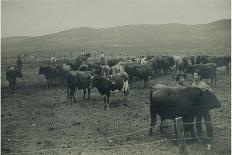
[73, 95]
[108, 100]
[14, 85]
[84, 93]
[88, 93]
[199, 124]
[105, 102]
[208, 123]
[144, 81]
[162, 124]
[153, 120]
[48, 83]
[215, 79]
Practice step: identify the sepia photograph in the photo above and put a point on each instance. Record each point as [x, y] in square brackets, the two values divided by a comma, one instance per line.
[115, 77]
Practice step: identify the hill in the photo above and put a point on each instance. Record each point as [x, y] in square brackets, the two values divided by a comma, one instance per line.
[131, 39]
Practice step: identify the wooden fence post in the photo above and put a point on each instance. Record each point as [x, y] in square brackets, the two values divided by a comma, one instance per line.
[180, 136]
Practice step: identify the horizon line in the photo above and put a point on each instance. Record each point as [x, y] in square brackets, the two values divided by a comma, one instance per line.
[109, 27]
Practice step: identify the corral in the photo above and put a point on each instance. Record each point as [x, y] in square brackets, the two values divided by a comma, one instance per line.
[38, 120]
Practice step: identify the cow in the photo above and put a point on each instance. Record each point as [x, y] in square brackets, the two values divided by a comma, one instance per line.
[62, 72]
[227, 63]
[181, 63]
[141, 71]
[12, 74]
[83, 67]
[206, 71]
[221, 61]
[80, 80]
[162, 63]
[50, 73]
[118, 68]
[202, 59]
[105, 85]
[185, 102]
[112, 62]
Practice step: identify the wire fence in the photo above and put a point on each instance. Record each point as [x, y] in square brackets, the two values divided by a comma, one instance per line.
[110, 137]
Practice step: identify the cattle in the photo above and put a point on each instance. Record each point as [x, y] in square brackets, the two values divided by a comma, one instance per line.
[50, 73]
[222, 61]
[83, 67]
[112, 62]
[141, 71]
[106, 85]
[162, 64]
[181, 63]
[62, 72]
[185, 102]
[202, 59]
[12, 74]
[227, 63]
[80, 80]
[117, 69]
[206, 71]
[74, 66]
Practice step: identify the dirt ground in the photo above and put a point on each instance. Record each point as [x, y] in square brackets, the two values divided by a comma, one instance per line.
[38, 120]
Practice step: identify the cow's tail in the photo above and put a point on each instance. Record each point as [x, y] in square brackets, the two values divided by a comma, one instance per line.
[152, 113]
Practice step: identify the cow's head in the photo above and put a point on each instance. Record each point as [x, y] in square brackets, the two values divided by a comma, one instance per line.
[209, 101]
[92, 81]
[205, 99]
[42, 70]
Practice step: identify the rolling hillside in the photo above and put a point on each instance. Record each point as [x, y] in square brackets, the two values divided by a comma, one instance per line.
[130, 38]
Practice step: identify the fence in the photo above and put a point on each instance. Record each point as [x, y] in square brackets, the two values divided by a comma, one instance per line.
[179, 134]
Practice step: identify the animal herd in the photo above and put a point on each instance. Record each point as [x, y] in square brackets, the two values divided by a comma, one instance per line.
[119, 74]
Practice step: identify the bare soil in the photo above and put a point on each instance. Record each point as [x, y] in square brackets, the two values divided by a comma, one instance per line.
[38, 120]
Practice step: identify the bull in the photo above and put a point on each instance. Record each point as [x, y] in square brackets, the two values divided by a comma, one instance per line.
[185, 102]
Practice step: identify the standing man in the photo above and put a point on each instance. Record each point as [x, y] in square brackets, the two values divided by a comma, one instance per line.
[19, 63]
[102, 57]
[203, 114]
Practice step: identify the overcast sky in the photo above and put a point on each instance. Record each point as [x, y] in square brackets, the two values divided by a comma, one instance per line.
[39, 17]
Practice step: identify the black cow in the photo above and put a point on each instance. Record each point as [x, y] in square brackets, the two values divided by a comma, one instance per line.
[80, 80]
[112, 62]
[50, 73]
[62, 72]
[227, 63]
[185, 102]
[105, 85]
[162, 64]
[206, 71]
[202, 59]
[141, 71]
[221, 61]
[11, 74]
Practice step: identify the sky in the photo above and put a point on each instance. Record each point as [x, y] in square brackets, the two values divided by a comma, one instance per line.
[41, 17]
